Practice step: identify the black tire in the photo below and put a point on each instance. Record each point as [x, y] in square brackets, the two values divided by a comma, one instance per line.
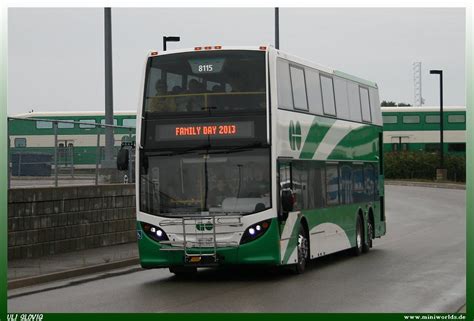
[357, 250]
[303, 251]
[183, 270]
[370, 235]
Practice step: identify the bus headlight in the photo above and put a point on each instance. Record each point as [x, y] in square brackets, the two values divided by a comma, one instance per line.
[254, 231]
[154, 232]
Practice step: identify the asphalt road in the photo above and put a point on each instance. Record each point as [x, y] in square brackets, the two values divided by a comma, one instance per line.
[419, 266]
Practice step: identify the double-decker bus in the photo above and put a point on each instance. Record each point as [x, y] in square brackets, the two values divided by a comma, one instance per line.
[417, 129]
[253, 156]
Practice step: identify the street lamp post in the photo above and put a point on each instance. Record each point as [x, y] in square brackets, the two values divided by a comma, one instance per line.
[441, 173]
[169, 39]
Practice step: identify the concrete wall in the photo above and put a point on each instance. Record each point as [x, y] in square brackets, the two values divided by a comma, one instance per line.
[45, 221]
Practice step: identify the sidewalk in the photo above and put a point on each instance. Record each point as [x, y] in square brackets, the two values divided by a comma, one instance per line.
[55, 267]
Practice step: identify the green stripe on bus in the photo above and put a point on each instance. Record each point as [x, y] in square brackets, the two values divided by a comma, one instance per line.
[315, 135]
[292, 242]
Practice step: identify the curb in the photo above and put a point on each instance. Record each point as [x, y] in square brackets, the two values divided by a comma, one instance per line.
[34, 280]
[426, 184]
[462, 309]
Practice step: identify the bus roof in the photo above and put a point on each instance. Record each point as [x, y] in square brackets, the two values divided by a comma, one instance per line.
[156, 53]
[326, 69]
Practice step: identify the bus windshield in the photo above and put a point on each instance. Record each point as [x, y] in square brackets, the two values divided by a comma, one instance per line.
[205, 182]
[205, 81]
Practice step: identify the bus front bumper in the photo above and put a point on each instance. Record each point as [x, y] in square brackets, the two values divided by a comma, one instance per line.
[264, 251]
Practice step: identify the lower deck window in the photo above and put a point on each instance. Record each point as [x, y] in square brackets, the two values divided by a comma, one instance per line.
[317, 184]
[20, 142]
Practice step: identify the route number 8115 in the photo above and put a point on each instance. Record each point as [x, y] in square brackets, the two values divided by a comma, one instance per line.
[205, 68]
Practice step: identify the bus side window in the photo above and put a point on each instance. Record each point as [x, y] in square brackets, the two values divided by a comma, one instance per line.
[332, 185]
[369, 180]
[346, 184]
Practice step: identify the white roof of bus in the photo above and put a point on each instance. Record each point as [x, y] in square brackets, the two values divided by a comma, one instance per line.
[421, 109]
[280, 53]
[73, 113]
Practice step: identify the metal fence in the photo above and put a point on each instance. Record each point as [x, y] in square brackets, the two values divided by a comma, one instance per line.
[45, 152]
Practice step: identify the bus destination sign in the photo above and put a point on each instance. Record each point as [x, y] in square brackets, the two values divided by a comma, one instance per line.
[219, 130]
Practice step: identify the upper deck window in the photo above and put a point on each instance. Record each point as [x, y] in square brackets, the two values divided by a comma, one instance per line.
[327, 91]
[411, 119]
[365, 104]
[102, 121]
[65, 125]
[205, 82]
[87, 123]
[456, 119]
[44, 124]
[432, 119]
[298, 88]
[130, 122]
[390, 119]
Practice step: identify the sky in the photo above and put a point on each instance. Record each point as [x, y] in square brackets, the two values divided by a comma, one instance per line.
[56, 55]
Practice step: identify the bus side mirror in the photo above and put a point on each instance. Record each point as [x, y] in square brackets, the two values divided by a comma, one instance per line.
[287, 200]
[122, 159]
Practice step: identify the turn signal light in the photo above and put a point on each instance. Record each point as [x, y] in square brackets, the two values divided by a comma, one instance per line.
[154, 53]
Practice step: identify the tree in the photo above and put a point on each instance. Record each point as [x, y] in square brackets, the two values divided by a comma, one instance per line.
[385, 103]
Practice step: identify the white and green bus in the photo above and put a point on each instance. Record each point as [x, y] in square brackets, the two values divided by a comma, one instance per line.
[253, 156]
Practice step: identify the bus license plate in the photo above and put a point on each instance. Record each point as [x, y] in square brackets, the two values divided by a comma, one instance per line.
[195, 259]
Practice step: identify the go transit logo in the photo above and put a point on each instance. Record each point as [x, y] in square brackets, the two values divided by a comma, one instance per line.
[201, 227]
[295, 135]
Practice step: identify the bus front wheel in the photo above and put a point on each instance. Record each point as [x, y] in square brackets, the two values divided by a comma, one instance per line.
[303, 251]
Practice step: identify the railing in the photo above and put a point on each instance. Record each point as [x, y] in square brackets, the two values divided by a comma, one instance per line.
[47, 152]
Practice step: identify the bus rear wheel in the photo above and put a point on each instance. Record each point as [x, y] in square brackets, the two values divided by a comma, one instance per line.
[183, 270]
[303, 251]
[357, 250]
[370, 235]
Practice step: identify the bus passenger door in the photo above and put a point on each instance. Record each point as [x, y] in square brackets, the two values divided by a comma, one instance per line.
[288, 215]
[285, 190]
